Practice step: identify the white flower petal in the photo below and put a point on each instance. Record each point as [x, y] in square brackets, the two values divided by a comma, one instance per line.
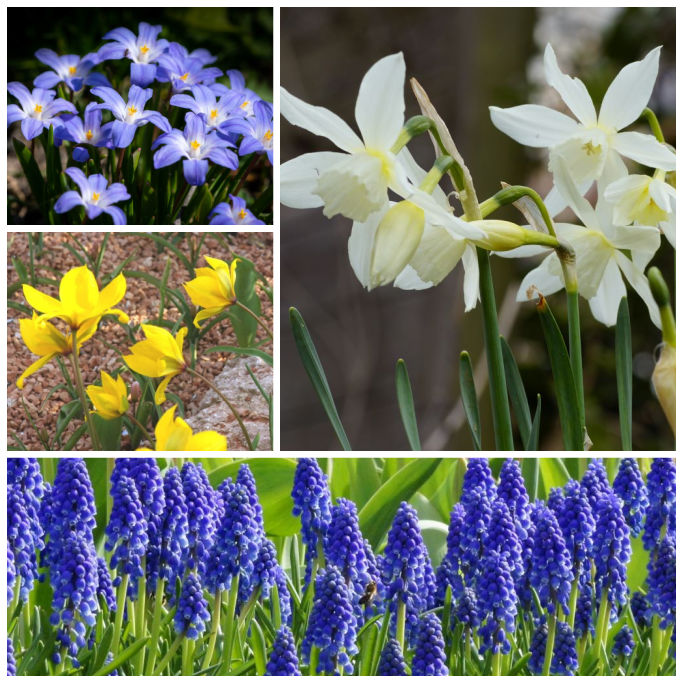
[319, 121]
[614, 170]
[572, 90]
[361, 242]
[470, 282]
[527, 251]
[662, 193]
[642, 240]
[568, 189]
[546, 278]
[299, 178]
[556, 203]
[639, 282]
[645, 149]
[629, 92]
[605, 304]
[437, 255]
[380, 106]
[409, 279]
[534, 125]
[593, 252]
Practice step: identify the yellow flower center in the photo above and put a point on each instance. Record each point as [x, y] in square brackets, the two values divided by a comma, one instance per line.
[214, 113]
[39, 108]
[244, 104]
[132, 110]
[95, 196]
[268, 135]
[591, 149]
[144, 49]
[242, 214]
[195, 145]
[89, 135]
[184, 76]
[72, 70]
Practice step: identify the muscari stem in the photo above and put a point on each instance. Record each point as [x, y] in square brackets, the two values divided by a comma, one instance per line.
[603, 616]
[313, 665]
[215, 620]
[573, 596]
[120, 607]
[229, 630]
[188, 656]
[401, 623]
[156, 623]
[243, 427]
[255, 317]
[496, 662]
[550, 643]
[656, 646]
[167, 657]
[80, 388]
[140, 620]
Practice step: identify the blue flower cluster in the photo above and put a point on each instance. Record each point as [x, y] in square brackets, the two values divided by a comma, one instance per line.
[223, 123]
[192, 612]
[283, 660]
[564, 660]
[391, 660]
[623, 642]
[630, 487]
[661, 496]
[430, 655]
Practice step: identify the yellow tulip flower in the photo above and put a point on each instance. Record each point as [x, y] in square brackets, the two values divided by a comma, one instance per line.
[174, 434]
[111, 399]
[80, 303]
[213, 288]
[45, 340]
[160, 355]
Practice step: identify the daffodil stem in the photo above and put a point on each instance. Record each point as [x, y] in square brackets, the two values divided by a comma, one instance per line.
[141, 427]
[81, 391]
[511, 194]
[653, 122]
[243, 427]
[255, 317]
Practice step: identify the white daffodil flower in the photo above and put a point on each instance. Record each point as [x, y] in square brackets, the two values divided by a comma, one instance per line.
[644, 200]
[354, 182]
[593, 142]
[600, 261]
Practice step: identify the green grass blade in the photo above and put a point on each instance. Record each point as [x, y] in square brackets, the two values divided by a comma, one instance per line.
[469, 398]
[406, 406]
[624, 374]
[315, 372]
[518, 399]
[530, 474]
[532, 443]
[122, 657]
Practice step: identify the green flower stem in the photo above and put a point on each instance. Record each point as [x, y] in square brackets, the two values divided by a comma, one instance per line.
[156, 623]
[550, 642]
[502, 425]
[141, 427]
[603, 617]
[617, 665]
[581, 647]
[386, 622]
[119, 165]
[232, 409]
[496, 664]
[401, 623]
[120, 607]
[188, 657]
[511, 194]
[167, 657]
[179, 200]
[250, 167]
[666, 642]
[313, 666]
[229, 630]
[215, 620]
[656, 646]
[80, 388]
[575, 354]
[255, 317]
[573, 596]
[653, 122]
[140, 620]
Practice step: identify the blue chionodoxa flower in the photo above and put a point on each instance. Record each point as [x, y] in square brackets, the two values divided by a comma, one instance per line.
[242, 99]
[94, 195]
[39, 109]
[204, 101]
[143, 50]
[72, 70]
[197, 146]
[130, 115]
[235, 214]
[85, 131]
[256, 131]
[183, 69]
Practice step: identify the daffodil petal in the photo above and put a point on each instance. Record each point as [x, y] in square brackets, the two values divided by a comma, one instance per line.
[533, 125]
[360, 246]
[645, 149]
[639, 282]
[605, 304]
[299, 178]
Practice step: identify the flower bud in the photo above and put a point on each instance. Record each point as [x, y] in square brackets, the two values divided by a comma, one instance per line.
[135, 391]
[664, 381]
[500, 235]
[398, 236]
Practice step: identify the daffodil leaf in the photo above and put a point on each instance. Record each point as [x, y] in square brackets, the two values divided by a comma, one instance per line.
[534, 434]
[518, 399]
[468, 394]
[406, 406]
[624, 374]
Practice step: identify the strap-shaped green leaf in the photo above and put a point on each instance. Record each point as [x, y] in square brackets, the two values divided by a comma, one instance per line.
[532, 442]
[122, 657]
[31, 171]
[516, 391]
[624, 374]
[468, 393]
[314, 370]
[406, 406]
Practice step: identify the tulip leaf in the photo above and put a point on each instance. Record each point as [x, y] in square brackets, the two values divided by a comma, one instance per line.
[108, 432]
[377, 514]
[518, 399]
[406, 406]
[565, 388]
[314, 370]
[243, 323]
[624, 374]
[468, 394]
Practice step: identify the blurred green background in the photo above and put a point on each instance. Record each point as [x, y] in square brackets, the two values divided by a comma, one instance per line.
[466, 59]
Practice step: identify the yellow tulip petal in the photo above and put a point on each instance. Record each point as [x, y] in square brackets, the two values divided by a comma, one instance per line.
[206, 313]
[207, 441]
[160, 393]
[216, 263]
[206, 292]
[143, 365]
[78, 290]
[161, 339]
[180, 340]
[34, 367]
[121, 315]
[41, 302]
[113, 292]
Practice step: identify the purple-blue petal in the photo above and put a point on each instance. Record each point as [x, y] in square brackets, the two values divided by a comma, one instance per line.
[80, 154]
[195, 171]
[159, 120]
[79, 178]
[250, 145]
[111, 51]
[137, 97]
[48, 79]
[167, 155]
[122, 35]
[110, 100]
[185, 102]
[49, 57]
[223, 157]
[14, 113]
[122, 134]
[67, 201]
[116, 192]
[97, 79]
[93, 211]
[117, 215]
[22, 93]
[142, 74]
[195, 127]
[31, 128]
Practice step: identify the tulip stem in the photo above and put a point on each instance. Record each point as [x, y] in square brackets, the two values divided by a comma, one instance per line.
[243, 427]
[255, 317]
[81, 391]
[141, 427]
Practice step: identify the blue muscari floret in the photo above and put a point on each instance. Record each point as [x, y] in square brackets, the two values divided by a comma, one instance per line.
[283, 660]
[105, 587]
[165, 558]
[640, 607]
[575, 517]
[126, 533]
[623, 642]
[185, 70]
[478, 474]
[661, 495]
[564, 661]
[595, 482]
[551, 570]
[501, 537]
[128, 115]
[630, 487]
[475, 527]
[95, 195]
[311, 496]
[72, 70]
[237, 542]
[430, 657]
[331, 624]
[246, 479]
[192, 613]
[256, 131]
[11, 662]
[448, 572]
[284, 595]
[197, 145]
[25, 472]
[39, 109]
[556, 500]
[263, 576]
[611, 552]
[391, 660]
[143, 50]
[583, 619]
[662, 581]
[512, 491]
[234, 213]
[496, 602]
[466, 609]
[75, 582]
[201, 505]
[11, 573]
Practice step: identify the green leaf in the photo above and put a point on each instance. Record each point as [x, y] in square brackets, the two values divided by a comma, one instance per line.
[468, 394]
[406, 406]
[109, 432]
[31, 171]
[565, 389]
[315, 372]
[258, 647]
[122, 657]
[245, 325]
[242, 352]
[377, 514]
[532, 443]
[624, 374]
[530, 474]
[553, 474]
[518, 398]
